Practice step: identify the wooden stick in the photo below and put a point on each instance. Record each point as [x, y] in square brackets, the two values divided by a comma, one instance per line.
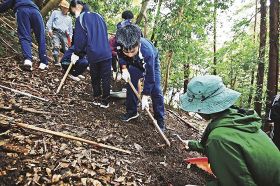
[150, 115]
[60, 134]
[182, 120]
[23, 93]
[64, 77]
[9, 45]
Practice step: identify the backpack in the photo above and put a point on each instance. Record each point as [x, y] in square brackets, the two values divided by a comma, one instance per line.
[275, 109]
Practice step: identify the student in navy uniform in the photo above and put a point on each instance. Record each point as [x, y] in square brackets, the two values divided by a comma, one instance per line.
[139, 58]
[79, 67]
[28, 16]
[91, 39]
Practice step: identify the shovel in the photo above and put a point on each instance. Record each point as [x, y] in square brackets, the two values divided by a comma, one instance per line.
[150, 115]
[64, 77]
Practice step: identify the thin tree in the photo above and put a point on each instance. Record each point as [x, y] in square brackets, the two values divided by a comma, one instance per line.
[261, 59]
[215, 37]
[49, 6]
[253, 68]
[142, 12]
[157, 17]
[273, 66]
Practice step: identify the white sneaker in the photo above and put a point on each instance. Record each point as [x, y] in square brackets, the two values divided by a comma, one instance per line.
[75, 78]
[27, 65]
[43, 66]
[81, 77]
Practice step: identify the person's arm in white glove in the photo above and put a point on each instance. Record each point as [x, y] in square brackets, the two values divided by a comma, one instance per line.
[145, 102]
[125, 74]
[74, 58]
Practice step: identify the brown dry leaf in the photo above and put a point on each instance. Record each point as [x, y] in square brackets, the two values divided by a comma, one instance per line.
[3, 173]
[84, 181]
[94, 182]
[105, 178]
[56, 178]
[120, 179]
[64, 165]
[110, 170]
[12, 155]
[138, 147]
[101, 171]
[49, 172]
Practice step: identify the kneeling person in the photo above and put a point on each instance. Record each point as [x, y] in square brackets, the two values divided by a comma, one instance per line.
[238, 151]
[79, 67]
[139, 58]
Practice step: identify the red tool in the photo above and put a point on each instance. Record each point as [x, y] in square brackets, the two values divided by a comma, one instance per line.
[201, 162]
[68, 39]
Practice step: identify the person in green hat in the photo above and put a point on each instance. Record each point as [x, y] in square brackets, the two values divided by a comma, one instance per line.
[238, 151]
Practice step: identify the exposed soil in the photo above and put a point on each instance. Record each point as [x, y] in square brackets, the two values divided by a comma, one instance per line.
[34, 158]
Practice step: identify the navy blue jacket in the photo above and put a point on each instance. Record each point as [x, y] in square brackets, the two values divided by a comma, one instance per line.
[91, 37]
[147, 60]
[15, 4]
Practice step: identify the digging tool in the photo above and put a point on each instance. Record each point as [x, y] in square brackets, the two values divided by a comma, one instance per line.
[64, 77]
[183, 141]
[150, 115]
[201, 162]
[95, 144]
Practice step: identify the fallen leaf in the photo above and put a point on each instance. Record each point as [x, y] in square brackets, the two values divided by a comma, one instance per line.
[49, 172]
[137, 147]
[120, 179]
[84, 181]
[56, 178]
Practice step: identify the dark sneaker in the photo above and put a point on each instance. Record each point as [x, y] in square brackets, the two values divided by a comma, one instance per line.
[127, 117]
[161, 125]
[96, 101]
[104, 103]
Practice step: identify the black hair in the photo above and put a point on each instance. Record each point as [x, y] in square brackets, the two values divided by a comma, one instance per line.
[127, 14]
[74, 3]
[128, 37]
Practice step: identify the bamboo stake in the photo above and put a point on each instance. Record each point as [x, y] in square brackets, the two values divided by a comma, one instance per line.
[64, 77]
[23, 93]
[150, 115]
[60, 134]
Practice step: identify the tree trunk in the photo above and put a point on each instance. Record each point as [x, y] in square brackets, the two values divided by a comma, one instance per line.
[215, 37]
[273, 67]
[261, 59]
[49, 6]
[142, 12]
[253, 68]
[39, 3]
[186, 76]
[167, 73]
[157, 17]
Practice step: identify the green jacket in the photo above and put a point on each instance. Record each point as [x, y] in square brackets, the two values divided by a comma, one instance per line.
[239, 152]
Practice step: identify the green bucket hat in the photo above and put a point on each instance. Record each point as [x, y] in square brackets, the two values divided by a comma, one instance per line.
[207, 95]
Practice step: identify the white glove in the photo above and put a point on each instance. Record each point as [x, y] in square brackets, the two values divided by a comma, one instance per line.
[145, 102]
[125, 75]
[186, 142]
[74, 58]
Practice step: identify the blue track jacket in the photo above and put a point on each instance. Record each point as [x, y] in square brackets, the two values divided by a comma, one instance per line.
[15, 4]
[91, 37]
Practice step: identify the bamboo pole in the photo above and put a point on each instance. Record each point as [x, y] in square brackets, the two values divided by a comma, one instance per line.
[60, 134]
[64, 77]
[23, 93]
[150, 115]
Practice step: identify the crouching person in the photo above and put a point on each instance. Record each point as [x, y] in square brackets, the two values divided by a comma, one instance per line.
[139, 58]
[239, 152]
[79, 67]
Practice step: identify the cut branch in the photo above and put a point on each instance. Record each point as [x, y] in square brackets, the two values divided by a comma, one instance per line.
[60, 134]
